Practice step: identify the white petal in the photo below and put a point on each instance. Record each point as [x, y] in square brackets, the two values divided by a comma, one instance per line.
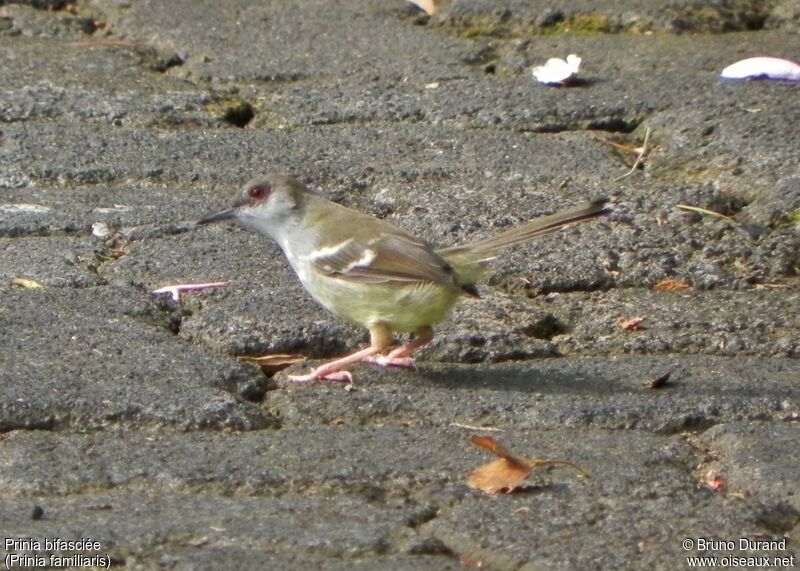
[100, 229]
[762, 67]
[427, 6]
[557, 71]
[574, 62]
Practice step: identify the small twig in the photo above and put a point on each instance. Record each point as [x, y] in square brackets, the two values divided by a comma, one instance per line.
[641, 155]
[618, 146]
[103, 42]
[705, 211]
[535, 464]
[471, 427]
[770, 286]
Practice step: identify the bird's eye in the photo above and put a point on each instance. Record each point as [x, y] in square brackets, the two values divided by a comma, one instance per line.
[258, 192]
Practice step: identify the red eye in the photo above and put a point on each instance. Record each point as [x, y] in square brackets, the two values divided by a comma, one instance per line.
[259, 192]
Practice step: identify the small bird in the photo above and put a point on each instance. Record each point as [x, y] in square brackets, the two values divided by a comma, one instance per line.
[370, 273]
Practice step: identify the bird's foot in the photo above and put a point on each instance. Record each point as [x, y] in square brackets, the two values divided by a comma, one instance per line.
[323, 376]
[392, 361]
[401, 356]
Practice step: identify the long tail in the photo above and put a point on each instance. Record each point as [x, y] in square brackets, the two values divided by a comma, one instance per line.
[478, 253]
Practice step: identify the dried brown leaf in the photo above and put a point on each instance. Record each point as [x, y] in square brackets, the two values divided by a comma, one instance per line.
[271, 364]
[491, 444]
[506, 473]
[659, 382]
[632, 324]
[501, 475]
[671, 284]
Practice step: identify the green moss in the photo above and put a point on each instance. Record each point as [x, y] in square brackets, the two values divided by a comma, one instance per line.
[793, 217]
[478, 31]
[737, 15]
[586, 23]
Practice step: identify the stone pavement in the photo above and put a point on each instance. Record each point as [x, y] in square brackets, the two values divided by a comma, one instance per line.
[127, 419]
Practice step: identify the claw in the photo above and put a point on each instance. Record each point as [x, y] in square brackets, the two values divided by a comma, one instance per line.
[389, 361]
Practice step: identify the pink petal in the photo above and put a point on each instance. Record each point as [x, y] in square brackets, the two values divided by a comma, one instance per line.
[175, 290]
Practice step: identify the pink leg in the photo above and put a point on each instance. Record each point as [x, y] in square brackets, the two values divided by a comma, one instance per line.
[380, 340]
[401, 356]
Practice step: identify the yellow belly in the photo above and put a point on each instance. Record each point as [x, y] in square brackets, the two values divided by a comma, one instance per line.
[403, 307]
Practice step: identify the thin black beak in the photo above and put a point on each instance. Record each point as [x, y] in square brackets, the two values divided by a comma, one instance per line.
[220, 216]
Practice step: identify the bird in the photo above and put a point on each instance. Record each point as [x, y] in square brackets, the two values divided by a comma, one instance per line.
[371, 273]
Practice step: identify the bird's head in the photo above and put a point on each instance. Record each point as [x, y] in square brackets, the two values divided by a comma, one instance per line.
[267, 204]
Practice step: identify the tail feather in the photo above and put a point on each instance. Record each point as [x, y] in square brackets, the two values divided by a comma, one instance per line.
[488, 249]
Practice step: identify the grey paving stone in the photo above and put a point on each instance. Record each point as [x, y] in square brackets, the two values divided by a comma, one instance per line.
[472, 17]
[244, 42]
[134, 526]
[126, 417]
[104, 84]
[758, 458]
[609, 392]
[118, 362]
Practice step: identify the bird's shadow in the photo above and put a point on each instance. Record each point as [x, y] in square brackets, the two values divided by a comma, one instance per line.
[544, 377]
